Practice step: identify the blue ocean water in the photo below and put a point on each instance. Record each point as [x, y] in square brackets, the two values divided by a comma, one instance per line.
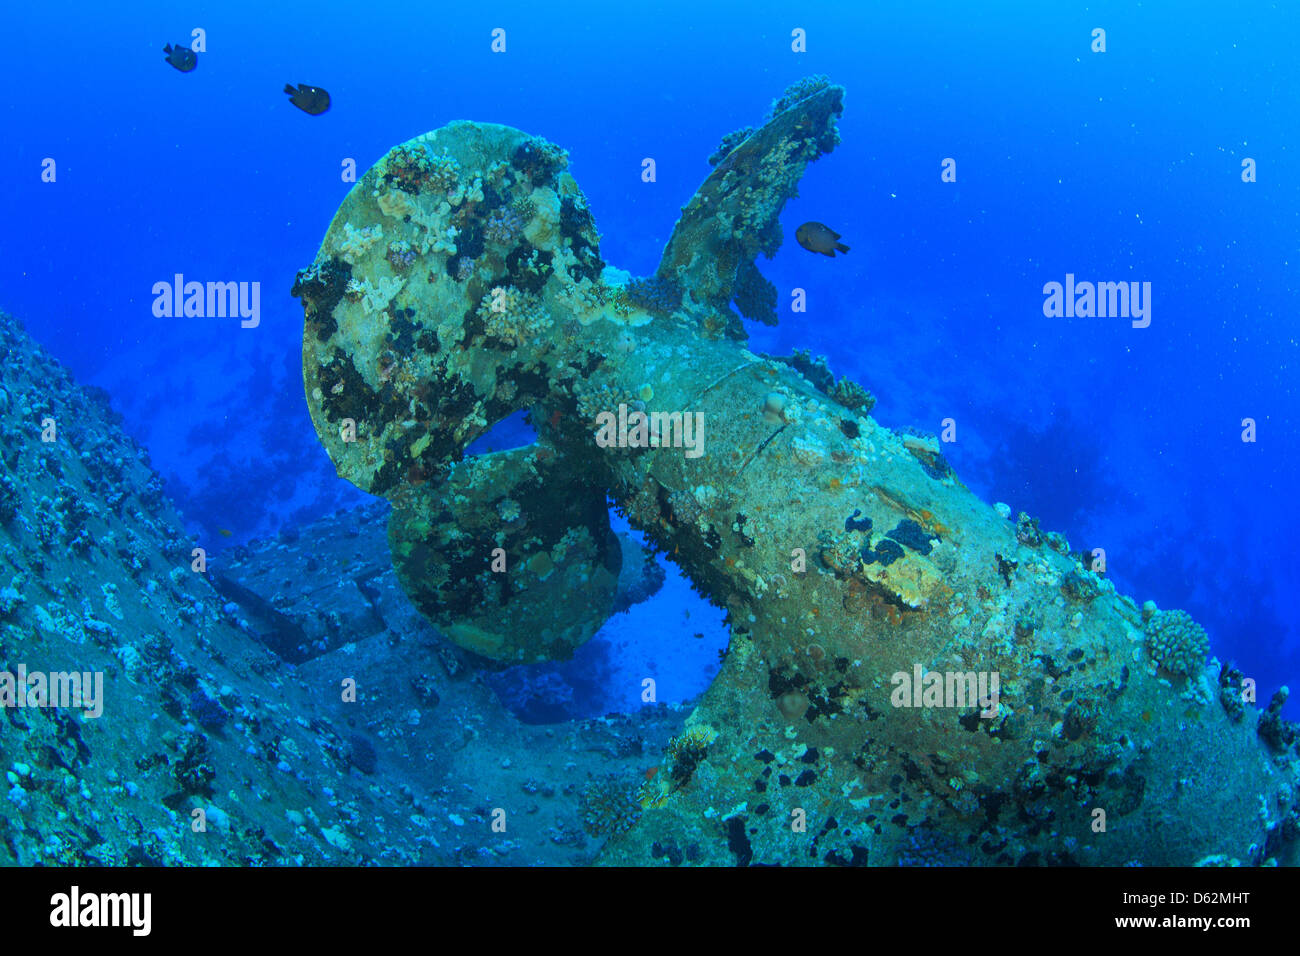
[1117, 166]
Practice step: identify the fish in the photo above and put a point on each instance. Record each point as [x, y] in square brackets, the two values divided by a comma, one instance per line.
[224, 532]
[309, 99]
[181, 57]
[815, 237]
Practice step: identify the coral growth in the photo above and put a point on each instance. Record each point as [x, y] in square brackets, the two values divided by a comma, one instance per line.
[730, 142]
[9, 499]
[853, 396]
[513, 316]
[754, 295]
[816, 369]
[608, 807]
[1176, 642]
[504, 226]
[654, 294]
[685, 752]
[357, 242]
[465, 267]
[411, 168]
[539, 160]
[400, 255]
[910, 533]
[799, 90]
[688, 749]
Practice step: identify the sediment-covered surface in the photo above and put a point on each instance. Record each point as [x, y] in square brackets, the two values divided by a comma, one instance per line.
[223, 690]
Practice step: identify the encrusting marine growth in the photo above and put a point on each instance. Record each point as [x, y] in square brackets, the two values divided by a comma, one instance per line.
[847, 555]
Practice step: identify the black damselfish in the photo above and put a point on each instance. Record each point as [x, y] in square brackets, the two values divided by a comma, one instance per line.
[309, 99]
[181, 57]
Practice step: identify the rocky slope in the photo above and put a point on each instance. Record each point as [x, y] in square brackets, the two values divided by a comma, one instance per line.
[228, 733]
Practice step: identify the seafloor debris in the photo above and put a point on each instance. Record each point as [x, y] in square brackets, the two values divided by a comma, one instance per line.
[923, 578]
[228, 700]
[195, 718]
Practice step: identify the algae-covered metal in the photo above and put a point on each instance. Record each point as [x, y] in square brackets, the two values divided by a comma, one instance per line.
[552, 574]
[734, 215]
[911, 678]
